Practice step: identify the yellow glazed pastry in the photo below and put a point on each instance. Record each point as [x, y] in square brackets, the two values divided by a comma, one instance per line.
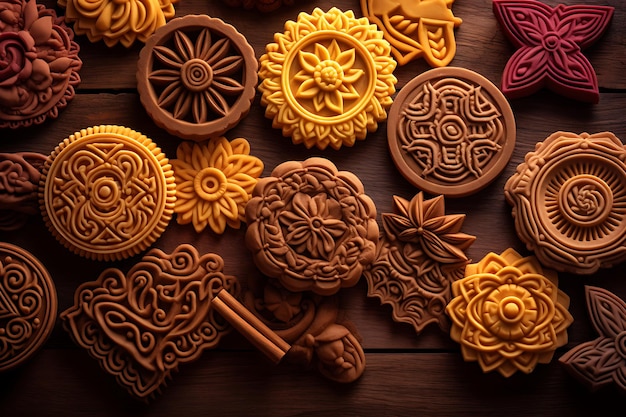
[107, 192]
[328, 79]
[214, 181]
[508, 313]
[115, 21]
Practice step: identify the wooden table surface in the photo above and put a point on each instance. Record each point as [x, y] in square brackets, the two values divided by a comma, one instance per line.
[406, 373]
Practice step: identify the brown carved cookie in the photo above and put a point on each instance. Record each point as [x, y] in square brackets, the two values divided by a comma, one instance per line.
[569, 202]
[107, 192]
[450, 131]
[312, 325]
[601, 362]
[141, 325]
[311, 226]
[39, 64]
[28, 305]
[197, 77]
[19, 182]
[420, 253]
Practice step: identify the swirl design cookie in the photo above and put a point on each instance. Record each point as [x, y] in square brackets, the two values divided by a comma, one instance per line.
[450, 132]
[39, 64]
[569, 202]
[197, 77]
[311, 226]
[28, 305]
[107, 192]
[141, 325]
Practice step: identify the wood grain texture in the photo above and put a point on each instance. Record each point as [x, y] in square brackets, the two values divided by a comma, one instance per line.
[406, 374]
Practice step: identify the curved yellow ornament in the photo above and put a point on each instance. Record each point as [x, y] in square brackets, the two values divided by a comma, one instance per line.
[328, 79]
[214, 181]
[117, 21]
[508, 313]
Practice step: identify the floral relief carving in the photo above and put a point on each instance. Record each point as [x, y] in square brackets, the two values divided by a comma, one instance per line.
[311, 226]
[113, 21]
[568, 201]
[328, 79]
[19, 184]
[107, 192]
[143, 324]
[420, 253]
[601, 362]
[197, 77]
[508, 313]
[214, 182]
[39, 64]
[550, 41]
[28, 305]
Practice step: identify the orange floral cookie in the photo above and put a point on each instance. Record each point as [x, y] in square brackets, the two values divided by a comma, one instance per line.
[328, 79]
[508, 313]
[214, 181]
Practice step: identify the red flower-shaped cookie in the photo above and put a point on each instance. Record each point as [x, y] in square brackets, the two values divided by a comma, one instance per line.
[550, 42]
[602, 361]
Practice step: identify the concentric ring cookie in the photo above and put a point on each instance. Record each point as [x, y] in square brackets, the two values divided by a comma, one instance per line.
[197, 77]
[569, 202]
[450, 131]
[28, 305]
[107, 192]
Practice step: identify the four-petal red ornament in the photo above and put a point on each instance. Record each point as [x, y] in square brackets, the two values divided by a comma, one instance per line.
[550, 41]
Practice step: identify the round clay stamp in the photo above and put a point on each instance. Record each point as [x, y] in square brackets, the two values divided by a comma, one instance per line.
[39, 64]
[197, 77]
[569, 201]
[450, 131]
[107, 192]
[327, 84]
[28, 305]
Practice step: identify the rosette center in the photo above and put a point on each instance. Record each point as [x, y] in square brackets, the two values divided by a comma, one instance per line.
[210, 184]
[585, 200]
[196, 75]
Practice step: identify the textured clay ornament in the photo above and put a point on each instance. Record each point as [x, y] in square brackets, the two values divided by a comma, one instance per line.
[601, 362]
[28, 305]
[416, 28]
[143, 324]
[569, 201]
[114, 21]
[107, 192]
[550, 41]
[39, 64]
[214, 182]
[311, 226]
[197, 77]
[508, 313]
[328, 79]
[419, 254]
[450, 132]
[19, 184]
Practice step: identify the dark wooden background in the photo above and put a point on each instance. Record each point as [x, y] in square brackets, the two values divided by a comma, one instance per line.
[406, 374]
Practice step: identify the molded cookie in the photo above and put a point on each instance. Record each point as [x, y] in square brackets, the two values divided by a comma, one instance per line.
[419, 254]
[601, 362]
[141, 325]
[197, 77]
[550, 41]
[28, 305]
[416, 29]
[214, 182]
[39, 64]
[508, 313]
[450, 131]
[311, 226]
[113, 21]
[107, 192]
[569, 201]
[19, 184]
[328, 79]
